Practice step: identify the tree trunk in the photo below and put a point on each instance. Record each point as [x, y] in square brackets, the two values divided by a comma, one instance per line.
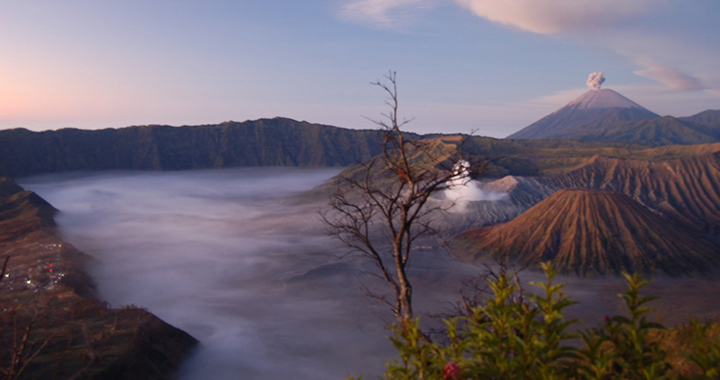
[405, 299]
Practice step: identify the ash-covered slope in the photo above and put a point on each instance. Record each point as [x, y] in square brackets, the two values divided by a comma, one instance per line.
[591, 232]
[508, 197]
[597, 107]
[686, 190]
[602, 99]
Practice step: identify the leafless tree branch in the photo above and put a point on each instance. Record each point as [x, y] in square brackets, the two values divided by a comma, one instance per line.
[383, 208]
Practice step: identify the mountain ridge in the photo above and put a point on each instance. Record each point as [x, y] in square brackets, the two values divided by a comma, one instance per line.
[263, 142]
[592, 232]
[666, 130]
[601, 107]
[46, 277]
[686, 190]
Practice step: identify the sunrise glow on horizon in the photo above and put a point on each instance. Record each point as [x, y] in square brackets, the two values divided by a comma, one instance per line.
[462, 64]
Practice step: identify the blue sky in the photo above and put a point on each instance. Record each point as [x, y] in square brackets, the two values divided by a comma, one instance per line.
[494, 66]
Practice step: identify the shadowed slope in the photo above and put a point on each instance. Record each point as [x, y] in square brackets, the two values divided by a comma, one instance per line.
[661, 131]
[599, 107]
[45, 277]
[708, 118]
[265, 142]
[592, 232]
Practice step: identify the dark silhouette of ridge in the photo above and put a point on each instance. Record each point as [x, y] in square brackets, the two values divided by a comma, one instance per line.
[265, 142]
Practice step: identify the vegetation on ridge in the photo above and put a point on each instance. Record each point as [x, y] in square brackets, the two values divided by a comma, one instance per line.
[516, 335]
[265, 142]
[51, 325]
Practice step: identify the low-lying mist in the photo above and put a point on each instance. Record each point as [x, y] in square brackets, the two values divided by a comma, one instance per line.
[238, 258]
[230, 257]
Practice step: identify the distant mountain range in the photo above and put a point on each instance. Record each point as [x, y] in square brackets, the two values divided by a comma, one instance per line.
[605, 115]
[265, 142]
[678, 185]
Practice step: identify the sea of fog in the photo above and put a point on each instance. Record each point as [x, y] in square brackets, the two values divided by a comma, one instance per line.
[238, 260]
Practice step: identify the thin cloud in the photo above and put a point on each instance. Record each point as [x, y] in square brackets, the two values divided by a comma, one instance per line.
[672, 78]
[557, 16]
[678, 65]
[382, 13]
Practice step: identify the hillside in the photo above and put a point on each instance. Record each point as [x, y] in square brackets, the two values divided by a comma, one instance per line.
[607, 116]
[678, 181]
[661, 131]
[707, 118]
[685, 190]
[596, 107]
[549, 157]
[591, 232]
[47, 295]
[266, 142]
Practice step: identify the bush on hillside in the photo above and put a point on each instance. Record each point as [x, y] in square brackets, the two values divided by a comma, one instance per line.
[528, 337]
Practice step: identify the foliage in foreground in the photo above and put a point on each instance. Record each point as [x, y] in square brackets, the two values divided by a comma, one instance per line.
[515, 336]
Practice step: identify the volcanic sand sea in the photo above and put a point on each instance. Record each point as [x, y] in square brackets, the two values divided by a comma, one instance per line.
[236, 259]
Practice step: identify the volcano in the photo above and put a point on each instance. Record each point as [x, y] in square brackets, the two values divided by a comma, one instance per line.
[592, 232]
[595, 109]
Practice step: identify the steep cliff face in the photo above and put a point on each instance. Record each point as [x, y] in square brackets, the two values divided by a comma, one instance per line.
[591, 232]
[46, 292]
[266, 142]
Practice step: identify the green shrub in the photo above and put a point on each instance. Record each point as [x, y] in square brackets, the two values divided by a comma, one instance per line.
[515, 336]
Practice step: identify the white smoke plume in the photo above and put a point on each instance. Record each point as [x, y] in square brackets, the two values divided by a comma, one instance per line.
[463, 190]
[595, 80]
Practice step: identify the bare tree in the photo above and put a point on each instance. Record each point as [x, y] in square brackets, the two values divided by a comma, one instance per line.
[384, 206]
[23, 343]
[32, 325]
